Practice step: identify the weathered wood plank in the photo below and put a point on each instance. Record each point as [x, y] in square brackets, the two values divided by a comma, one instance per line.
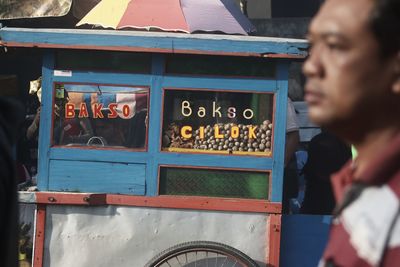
[154, 42]
[97, 177]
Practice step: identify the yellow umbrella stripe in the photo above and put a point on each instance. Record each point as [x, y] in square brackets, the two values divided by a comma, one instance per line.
[107, 13]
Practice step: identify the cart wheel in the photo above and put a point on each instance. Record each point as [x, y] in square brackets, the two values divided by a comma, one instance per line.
[201, 254]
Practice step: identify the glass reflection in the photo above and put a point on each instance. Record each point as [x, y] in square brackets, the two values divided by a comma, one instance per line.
[100, 116]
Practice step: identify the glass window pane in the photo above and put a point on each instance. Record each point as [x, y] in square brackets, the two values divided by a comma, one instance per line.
[214, 183]
[221, 66]
[103, 61]
[100, 116]
[235, 123]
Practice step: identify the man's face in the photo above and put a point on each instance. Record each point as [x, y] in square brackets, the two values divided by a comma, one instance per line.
[347, 78]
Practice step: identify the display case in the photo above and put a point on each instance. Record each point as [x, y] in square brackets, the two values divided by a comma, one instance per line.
[161, 126]
[144, 127]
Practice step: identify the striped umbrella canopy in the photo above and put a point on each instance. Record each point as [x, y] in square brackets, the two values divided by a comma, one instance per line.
[170, 15]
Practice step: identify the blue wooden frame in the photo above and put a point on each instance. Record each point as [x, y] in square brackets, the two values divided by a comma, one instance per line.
[157, 44]
[151, 159]
[153, 42]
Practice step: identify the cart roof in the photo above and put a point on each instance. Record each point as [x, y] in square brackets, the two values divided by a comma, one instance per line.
[137, 41]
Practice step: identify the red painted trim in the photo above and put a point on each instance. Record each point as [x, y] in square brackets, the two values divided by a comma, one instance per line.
[39, 235]
[196, 203]
[274, 240]
[173, 202]
[144, 49]
[55, 198]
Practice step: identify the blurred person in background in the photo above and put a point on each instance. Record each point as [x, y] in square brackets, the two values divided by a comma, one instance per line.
[290, 176]
[353, 90]
[11, 118]
[326, 155]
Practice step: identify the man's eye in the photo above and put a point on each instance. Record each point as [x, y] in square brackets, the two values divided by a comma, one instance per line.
[334, 46]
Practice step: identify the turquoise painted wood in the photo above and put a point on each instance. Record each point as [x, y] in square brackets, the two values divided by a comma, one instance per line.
[150, 41]
[97, 177]
[45, 122]
[98, 155]
[217, 161]
[280, 131]
[63, 168]
[215, 83]
[106, 78]
[155, 124]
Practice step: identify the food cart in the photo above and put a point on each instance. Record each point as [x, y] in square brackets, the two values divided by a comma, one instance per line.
[149, 140]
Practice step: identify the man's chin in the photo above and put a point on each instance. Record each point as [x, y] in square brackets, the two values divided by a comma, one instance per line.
[318, 117]
[331, 124]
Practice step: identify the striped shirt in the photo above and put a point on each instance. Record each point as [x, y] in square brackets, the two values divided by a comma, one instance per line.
[366, 232]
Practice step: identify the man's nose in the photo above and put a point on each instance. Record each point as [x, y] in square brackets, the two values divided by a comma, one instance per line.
[312, 67]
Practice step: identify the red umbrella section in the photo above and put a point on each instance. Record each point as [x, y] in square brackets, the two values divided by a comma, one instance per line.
[170, 15]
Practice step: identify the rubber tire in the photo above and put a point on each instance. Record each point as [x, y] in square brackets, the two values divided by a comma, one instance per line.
[193, 245]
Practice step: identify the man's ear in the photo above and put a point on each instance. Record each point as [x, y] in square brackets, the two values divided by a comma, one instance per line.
[396, 83]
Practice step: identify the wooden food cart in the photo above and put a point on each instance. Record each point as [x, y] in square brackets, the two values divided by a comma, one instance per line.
[148, 140]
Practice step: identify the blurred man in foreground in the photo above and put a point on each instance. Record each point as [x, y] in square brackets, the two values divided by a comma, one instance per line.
[353, 89]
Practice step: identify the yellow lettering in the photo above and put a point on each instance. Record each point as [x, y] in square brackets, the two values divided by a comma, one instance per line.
[252, 134]
[235, 132]
[201, 132]
[186, 132]
[216, 132]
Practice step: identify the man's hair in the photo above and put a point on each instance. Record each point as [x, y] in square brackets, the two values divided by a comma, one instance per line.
[385, 24]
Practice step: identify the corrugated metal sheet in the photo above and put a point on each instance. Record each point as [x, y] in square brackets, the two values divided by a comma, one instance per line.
[131, 236]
